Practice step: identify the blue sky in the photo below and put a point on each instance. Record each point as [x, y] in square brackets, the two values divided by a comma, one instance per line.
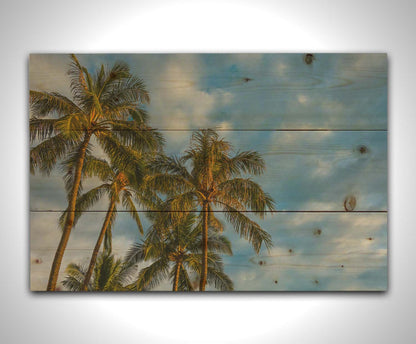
[305, 170]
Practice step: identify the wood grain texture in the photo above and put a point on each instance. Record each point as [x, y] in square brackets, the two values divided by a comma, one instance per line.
[305, 171]
[319, 123]
[310, 251]
[272, 91]
[316, 252]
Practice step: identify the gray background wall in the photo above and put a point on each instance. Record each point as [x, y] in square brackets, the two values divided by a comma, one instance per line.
[216, 26]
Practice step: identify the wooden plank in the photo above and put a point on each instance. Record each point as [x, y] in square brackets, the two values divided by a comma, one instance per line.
[320, 122]
[305, 171]
[249, 91]
[45, 235]
[311, 251]
[315, 252]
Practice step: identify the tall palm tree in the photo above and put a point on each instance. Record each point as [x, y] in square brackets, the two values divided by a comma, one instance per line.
[110, 274]
[209, 177]
[122, 187]
[106, 107]
[175, 253]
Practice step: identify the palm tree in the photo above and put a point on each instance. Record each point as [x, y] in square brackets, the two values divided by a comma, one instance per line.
[110, 274]
[208, 176]
[175, 253]
[106, 107]
[121, 187]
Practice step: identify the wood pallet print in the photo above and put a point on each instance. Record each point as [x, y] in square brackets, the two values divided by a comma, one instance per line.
[208, 172]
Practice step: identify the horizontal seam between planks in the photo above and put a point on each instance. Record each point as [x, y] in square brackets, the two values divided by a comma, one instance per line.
[218, 211]
[289, 129]
[232, 130]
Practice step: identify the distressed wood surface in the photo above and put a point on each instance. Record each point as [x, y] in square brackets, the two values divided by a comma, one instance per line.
[311, 251]
[321, 126]
[318, 252]
[316, 171]
[335, 91]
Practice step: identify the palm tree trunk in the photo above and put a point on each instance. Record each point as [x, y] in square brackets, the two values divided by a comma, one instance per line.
[98, 245]
[56, 265]
[176, 280]
[108, 242]
[204, 267]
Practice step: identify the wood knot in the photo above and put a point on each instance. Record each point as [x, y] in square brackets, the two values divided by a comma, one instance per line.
[275, 281]
[370, 238]
[247, 79]
[290, 250]
[362, 149]
[349, 203]
[317, 232]
[308, 58]
[262, 262]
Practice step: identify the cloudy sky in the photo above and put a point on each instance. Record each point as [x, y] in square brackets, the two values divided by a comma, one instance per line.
[255, 101]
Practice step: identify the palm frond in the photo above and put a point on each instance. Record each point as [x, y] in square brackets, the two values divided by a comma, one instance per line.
[151, 276]
[183, 202]
[151, 248]
[169, 184]
[219, 279]
[193, 262]
[73, 126]
[140, 116]
[69, 166]
[172, 165]
[112, 281]
[106, 79]
[247, 193]
[97, 167]
[129, 205]
[248, 229]
[127, 273]
[184, 283]
[214, 223]
[75, 275]
[123, 157]
[46, 154]
[245, 162]
[143, 139]
[84, 203]
[128, 90]
[136, 253]
[79, 85]
[41, 128]
[219, 244]
[51, 103]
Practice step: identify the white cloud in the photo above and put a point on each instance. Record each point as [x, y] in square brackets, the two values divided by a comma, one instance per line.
[340, 257]
[281, 68]
[302, 99]
[179, 102]
[301, 166]
[48, 72]
[226, 125]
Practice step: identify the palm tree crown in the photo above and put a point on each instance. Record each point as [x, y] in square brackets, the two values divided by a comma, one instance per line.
[175, 253]
[121, 187]
[208, 177]
[105, 106]
[110, 274]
